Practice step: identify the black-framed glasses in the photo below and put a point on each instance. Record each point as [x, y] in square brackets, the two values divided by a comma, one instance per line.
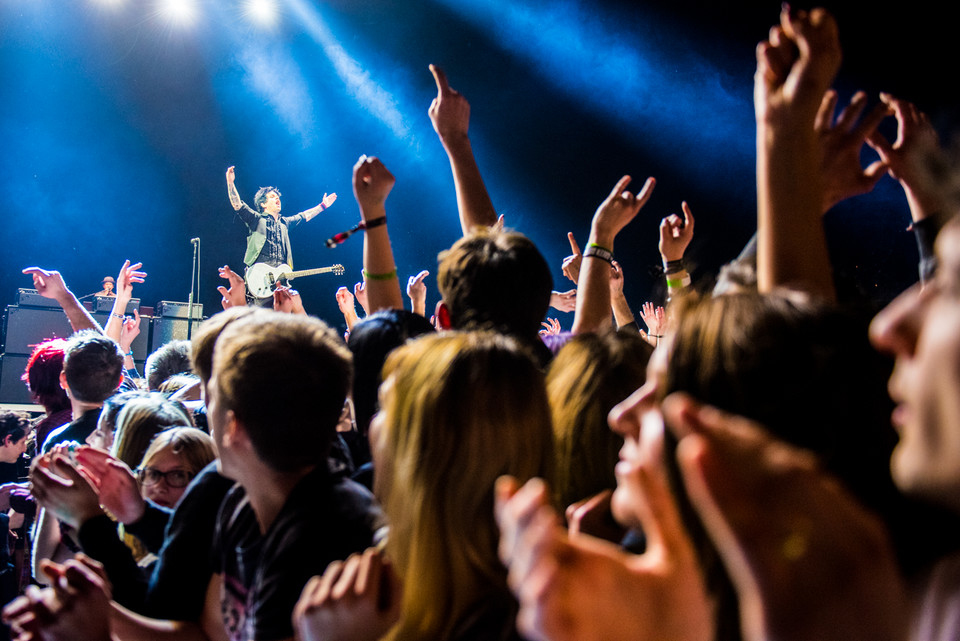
[173, 478]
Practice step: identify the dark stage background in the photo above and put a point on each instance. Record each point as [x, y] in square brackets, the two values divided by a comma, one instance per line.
[117, 127]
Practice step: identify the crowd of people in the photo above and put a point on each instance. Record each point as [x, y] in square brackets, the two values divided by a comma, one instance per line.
[759, 461]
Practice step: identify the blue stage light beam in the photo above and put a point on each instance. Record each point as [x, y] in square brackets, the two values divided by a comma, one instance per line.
[628, 69]
[359, 84]
[274, 75]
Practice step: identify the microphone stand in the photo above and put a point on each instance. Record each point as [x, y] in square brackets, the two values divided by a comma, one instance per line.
[194, 285]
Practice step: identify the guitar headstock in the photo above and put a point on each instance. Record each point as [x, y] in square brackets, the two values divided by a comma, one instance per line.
[338, 269]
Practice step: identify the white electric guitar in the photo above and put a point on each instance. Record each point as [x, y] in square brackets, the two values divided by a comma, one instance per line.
[262, 279]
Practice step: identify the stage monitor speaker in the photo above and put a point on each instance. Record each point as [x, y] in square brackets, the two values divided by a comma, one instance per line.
[25, 327]
[12, 389]
[105, 304]
[166, 329]
[32, 298]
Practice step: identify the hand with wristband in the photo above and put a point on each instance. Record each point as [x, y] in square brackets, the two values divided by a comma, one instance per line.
[613, 214]
[655, 318]
[372, 183]
[675, 236]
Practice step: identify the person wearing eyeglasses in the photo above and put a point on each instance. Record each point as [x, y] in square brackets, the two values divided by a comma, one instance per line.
[174, 457]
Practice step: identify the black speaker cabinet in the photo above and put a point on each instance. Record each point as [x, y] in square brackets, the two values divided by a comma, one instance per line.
[166, 329]
[12, 389]
[28, 326]
[25, 327]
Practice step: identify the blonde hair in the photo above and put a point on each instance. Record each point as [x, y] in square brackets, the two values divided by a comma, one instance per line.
[460, 410]
[591, 374]
[193, 446]
[140, 420]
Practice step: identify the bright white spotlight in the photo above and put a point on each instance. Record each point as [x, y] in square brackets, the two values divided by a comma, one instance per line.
[262, 12]
[182, 12]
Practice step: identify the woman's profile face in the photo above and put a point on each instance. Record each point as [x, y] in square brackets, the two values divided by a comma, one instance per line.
[377, 437]
[639, 421]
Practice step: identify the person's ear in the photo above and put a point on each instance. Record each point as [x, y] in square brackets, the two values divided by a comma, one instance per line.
[443, 316]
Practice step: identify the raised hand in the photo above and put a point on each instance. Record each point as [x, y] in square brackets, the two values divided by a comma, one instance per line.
[807, 561]
[129, 274]
[796, 65]
[372, 183]
[360, 294]
[232, 193]
[550, 326]
[417, 292]
[593, 285]
[564, 301]
[449, 112]
[841, 143]
[328, 199]
[676, 234]
[129, 331]
[655, 318]
[908, 157]
[345, 301]
[618, 209]
[287, 300]
[354, 600]
[571, 264]
[616, 279]
[48, 283]
[235, 296]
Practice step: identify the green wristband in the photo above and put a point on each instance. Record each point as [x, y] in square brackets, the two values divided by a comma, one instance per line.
[609, 251]
[387, 276]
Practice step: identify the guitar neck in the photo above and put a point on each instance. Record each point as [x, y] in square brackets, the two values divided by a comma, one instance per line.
[310, 272]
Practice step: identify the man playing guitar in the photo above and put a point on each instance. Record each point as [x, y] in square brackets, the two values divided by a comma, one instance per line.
[268, 238]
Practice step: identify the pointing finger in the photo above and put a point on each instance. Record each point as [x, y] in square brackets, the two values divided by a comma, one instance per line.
[574, 247]
[441, 79]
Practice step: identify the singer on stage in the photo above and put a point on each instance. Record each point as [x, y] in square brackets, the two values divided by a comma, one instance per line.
[268, 239]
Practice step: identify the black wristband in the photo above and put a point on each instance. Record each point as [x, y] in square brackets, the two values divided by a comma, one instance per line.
[673, 266]
[376, 222]
[594, 251]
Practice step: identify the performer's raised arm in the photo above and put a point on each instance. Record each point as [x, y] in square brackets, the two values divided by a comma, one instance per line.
[328, 199]
[232, 189]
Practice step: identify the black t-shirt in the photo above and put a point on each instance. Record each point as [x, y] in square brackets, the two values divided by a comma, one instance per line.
[180, 576]
[327, 517]
[78, 430]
